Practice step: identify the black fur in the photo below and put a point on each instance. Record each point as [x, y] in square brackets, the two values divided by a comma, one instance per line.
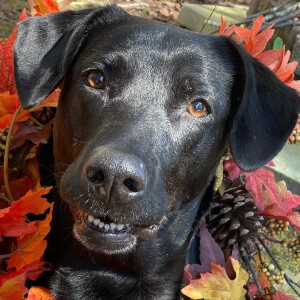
[138, 128]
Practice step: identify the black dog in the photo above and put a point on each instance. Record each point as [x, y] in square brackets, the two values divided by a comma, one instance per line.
[145, 114]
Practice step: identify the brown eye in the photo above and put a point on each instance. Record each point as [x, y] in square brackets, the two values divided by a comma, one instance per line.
[96, 80]
[198, 109]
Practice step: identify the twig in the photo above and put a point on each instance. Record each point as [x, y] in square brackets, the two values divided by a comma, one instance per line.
[211, 13]
[271, 10]
[270, 239]
[249, 267]
[287, 279]
[34, 120]
[36, 235]
[6, 153]
[289, 23]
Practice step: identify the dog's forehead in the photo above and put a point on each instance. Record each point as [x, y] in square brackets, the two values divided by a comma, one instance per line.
[139, 36]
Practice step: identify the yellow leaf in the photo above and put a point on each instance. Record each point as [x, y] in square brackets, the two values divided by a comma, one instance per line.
[219, 176]
[217, 285]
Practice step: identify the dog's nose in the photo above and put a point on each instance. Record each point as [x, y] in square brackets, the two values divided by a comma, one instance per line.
[116, 176]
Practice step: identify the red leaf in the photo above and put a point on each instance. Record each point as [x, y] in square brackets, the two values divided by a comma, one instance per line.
[270, 58]
[223, 26]
[7, 81]
[257, 25]
[29, 132]
[32, 271]
[232, 169]
[281, 296]
[282, 207]
[258, 180]
[19, 187]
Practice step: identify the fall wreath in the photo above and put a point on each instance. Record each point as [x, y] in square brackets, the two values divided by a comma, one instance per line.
[250, 237]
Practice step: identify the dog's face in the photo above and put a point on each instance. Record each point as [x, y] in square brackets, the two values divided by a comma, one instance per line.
[144, 117]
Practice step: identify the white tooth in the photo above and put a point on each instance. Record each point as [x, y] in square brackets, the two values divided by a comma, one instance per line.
[90, 219]
[113, 226]
[106, 226]
[120, 226]
[96, 222]
[101, 224]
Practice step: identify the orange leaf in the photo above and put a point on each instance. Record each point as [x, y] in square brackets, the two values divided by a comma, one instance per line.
[12, 219]
[13, 289]
[8, 106]
[7, 80]
[32, 246]
[42, 7]
[32, 271]
[217, 285]
[39, 293]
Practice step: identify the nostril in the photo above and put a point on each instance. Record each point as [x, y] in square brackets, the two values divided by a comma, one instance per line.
[95, 176]
[131, 184]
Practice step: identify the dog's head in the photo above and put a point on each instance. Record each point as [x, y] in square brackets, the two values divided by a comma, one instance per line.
[145, 114]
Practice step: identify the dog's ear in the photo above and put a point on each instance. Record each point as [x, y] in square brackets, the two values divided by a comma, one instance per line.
[265, 112]
[46, 46]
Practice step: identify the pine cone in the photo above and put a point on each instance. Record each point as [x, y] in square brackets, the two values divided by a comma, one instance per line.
[232, 220]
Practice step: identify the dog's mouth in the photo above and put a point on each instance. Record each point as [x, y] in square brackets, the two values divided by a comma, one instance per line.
[102, 234]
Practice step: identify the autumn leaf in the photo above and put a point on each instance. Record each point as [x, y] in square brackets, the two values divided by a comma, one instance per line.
[281, 296]
[32, 271]
[18, 187]
[217, 285]
[224, 30]
[29, 132]
[7, 80]
[281, 207]
[263, 281]
[31, 168]
[232, 169]
[210, 251]
[12, 219]
[259, 180]
[39, 293]
[42, 7]
[31, 246]
[8, 106]
[51, 100]
[14, 289]
[278, 62]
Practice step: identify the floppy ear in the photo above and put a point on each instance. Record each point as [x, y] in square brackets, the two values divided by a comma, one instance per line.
[46, 46]
[265, 115]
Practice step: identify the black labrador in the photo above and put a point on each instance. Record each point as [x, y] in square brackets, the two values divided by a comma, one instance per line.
[145, 114]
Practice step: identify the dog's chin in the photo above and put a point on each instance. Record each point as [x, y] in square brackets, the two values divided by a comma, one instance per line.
[102, 236]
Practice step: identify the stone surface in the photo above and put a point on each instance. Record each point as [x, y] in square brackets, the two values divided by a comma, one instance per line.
[288, 167]
[296, 53]
[193, 16]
